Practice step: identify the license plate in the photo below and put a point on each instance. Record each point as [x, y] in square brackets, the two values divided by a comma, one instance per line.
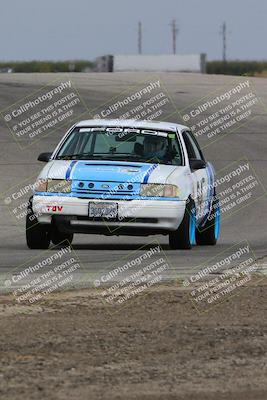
[107, 211]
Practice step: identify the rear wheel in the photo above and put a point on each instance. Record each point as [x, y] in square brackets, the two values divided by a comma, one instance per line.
[185, 236]
[208, 234]
[37, 235]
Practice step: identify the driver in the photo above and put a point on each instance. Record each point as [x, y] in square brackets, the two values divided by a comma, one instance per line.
[155, 147]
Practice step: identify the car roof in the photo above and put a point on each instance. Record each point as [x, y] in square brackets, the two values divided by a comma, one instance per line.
[131, 123]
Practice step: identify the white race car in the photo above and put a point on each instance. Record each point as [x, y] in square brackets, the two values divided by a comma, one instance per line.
[125, 177]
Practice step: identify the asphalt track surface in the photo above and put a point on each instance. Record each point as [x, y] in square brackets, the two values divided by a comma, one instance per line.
[98, 253]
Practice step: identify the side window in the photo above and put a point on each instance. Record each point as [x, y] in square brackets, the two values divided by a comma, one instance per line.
[194, 140]
[191, 146]
[77, 142]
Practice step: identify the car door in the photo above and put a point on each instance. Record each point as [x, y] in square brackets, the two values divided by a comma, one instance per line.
[200, 176]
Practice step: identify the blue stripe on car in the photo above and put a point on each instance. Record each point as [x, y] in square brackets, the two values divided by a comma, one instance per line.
[110, 171]
[211, 181]
[70, 169]
[149, 172]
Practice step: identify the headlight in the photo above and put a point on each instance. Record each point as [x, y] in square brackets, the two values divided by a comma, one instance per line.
[40, 185]
[58, 186]
[53, 185]
[159, 190]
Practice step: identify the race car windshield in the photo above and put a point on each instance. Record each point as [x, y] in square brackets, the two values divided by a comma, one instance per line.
[123, 145]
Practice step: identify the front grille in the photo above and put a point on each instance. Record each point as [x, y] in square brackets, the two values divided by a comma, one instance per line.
[106, 190]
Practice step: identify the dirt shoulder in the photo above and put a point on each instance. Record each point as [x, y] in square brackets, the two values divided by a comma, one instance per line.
[73, 346]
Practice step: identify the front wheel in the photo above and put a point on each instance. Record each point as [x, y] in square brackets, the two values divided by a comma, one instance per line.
[185, 236]
[59, 238]
[37, 235]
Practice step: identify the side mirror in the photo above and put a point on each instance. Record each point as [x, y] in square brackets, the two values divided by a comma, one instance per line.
[44, 157]
[196, 164]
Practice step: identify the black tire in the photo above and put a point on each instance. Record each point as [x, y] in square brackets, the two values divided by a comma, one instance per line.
[37, 235]
[59, 238]
[182, 237]
[209, 233]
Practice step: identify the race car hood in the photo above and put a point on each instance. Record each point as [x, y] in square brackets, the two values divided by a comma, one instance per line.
[111, 171]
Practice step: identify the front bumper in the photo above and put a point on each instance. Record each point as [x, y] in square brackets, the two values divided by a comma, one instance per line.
[134, 217]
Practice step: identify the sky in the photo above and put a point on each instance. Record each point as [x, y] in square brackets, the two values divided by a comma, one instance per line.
[85, 29]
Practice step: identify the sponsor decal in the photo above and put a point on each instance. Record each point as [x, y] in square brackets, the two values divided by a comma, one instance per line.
[55, 208]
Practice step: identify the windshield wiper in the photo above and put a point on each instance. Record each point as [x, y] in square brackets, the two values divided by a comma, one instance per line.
[69, 156]
[127, 156]
[82, 156]
[105, 156]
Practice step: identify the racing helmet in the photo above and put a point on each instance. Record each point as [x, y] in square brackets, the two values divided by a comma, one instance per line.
[155, 146]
